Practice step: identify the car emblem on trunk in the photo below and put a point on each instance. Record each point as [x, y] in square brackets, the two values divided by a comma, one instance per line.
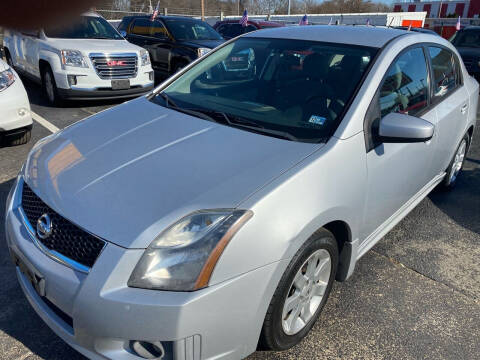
[44, 226]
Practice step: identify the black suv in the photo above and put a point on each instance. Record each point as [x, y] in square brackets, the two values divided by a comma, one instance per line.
[467, 42]
[172, 41]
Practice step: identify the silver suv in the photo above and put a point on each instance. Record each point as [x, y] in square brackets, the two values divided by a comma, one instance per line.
[220, 209]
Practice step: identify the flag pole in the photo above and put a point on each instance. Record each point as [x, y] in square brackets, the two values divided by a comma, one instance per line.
[202, 3]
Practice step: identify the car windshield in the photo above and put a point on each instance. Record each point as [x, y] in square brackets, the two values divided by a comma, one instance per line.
[185, 29]
[87, 27]
[293, 89]
[468, 38]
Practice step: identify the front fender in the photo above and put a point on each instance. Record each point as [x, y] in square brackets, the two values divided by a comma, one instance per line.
[327, 186]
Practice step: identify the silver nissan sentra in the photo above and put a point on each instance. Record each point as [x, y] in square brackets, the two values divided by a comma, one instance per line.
[213, 215]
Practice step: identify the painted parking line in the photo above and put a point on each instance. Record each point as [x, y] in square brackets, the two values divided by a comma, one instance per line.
[46, 124]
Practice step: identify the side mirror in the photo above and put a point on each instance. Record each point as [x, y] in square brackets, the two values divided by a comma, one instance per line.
[401, 128]
[123, 33]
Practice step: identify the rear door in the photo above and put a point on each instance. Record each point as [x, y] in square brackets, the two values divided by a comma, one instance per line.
[397, 171]
[31, 41]
[450, 98]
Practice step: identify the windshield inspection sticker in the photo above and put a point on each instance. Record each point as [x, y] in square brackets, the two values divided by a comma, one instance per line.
[317, 120]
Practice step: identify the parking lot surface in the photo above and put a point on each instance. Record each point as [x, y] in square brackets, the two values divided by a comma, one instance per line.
[416, 295]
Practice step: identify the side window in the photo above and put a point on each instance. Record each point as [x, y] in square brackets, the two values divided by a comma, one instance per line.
[158, 30]
[458, 71]
[405, 87]
[250, 28]
[222, 30]
[444, 75]
[123, 25]
[141, 27]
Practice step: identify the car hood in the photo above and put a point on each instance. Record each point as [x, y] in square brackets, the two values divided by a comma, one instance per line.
[129, 172]
[211, 44]
[87, 46]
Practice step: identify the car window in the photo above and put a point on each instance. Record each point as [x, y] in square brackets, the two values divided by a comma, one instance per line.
[123, 25]
[250, 28]
[405, 87]
[444, 74]
[142, 27]
[458, 71]
[233, 30]
[85, 27]
[275, 84]
[191, 29]
[466, 38]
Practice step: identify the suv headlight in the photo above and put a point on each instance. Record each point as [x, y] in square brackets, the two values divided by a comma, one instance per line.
[203, 51]
[73, 58]
[145, 56]
[7, 78]
[182, 258]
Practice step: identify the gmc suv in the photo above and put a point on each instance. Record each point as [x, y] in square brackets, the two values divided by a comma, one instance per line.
[88, 59]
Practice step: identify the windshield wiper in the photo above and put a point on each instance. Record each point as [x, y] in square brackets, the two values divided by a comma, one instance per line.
[244, 123]
[235, 121]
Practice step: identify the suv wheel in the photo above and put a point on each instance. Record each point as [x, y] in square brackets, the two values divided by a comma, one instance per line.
[456, 164]
[301, 293]
[50, 87]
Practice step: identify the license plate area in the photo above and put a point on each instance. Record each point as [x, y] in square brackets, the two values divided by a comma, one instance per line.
[34, 277]
[121, 84]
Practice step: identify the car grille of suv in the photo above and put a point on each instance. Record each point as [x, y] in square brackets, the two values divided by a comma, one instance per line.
[66, 239]
[115, 66]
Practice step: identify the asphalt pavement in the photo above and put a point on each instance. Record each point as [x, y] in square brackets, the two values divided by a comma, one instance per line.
[415, 295]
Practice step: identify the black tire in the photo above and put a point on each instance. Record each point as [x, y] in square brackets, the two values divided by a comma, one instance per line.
[273, 337]
[448, 182]
[20, 138]
[53, 97]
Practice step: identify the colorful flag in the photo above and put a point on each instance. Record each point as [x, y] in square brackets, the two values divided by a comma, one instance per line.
[459, 25]
[330, 22]
[244, 19]
[304, 20]
[368, 22]
[155, 13]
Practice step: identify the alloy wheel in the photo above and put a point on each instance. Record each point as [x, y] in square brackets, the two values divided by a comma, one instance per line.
[458, 161]
[306, 292]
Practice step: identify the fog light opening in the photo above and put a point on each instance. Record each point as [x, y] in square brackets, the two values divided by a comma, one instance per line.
[22, 112]
[148, 350]
[72, 80]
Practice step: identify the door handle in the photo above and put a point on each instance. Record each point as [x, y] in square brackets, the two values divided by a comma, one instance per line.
[464, 108]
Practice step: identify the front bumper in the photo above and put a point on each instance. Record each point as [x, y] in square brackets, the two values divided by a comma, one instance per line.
[103, 93]
[99, 315]
[14, 107]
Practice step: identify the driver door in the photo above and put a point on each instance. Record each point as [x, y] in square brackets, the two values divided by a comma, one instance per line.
[398, 171]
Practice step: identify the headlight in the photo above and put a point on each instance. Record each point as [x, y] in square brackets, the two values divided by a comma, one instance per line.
[182, 258]
[145, 56]
[203, 51]
[7, 78]
[73, 58]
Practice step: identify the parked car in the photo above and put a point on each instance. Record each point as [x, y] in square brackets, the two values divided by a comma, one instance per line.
[467, 42]
[88, 59]
[219, 210]
[15, 116]
[232, 28]
[172, 41]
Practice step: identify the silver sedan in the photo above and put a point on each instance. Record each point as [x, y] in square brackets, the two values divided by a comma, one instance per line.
[215, 213]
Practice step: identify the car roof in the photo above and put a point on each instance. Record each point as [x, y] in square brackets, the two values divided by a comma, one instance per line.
[162, 17]
[259, 22]
[345, 34]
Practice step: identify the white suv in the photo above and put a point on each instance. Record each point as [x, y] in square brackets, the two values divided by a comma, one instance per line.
[85, 60]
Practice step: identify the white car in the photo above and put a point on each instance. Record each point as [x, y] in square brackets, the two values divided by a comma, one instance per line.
[15, 116]
[87, 59]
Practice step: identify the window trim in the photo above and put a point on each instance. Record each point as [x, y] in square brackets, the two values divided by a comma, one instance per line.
[374, 105]
[457, 87]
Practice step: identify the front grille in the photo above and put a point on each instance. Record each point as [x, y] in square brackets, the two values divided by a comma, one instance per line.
[115, 66]
[66, 239]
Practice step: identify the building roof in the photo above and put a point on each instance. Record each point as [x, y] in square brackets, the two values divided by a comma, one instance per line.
[346, 34]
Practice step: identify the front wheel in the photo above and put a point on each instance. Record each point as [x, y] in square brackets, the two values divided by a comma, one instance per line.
[50, 87]
[456, 164]
[301, 293]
